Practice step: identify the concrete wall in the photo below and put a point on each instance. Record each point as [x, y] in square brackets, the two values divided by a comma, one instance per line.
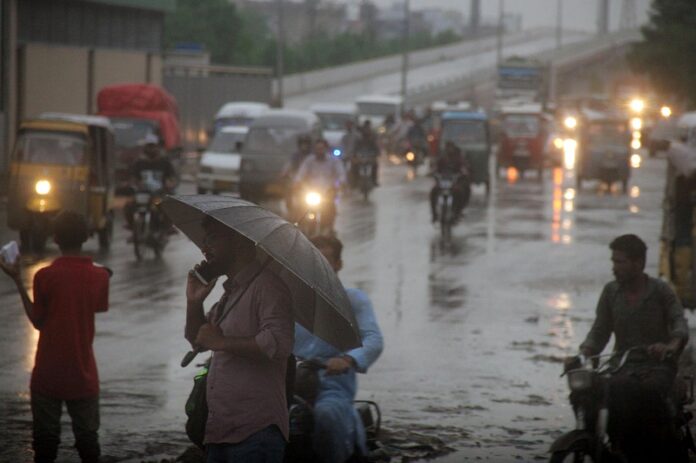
[54, 79]
[201, 96]
[67, 79]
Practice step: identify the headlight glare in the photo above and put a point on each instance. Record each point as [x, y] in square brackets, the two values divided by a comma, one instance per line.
[43, 187]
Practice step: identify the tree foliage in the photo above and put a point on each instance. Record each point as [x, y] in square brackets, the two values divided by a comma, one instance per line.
[241, 37]
[667, 52]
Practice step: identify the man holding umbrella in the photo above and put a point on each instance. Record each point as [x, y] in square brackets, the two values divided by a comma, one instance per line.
[275, 277]
[248, 418]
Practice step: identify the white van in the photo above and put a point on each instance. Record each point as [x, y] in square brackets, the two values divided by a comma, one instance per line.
[333, 117]
[218, 170]
[376, 108]
[238, 113]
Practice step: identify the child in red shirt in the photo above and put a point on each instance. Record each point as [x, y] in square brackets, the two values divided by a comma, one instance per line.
[67, 294]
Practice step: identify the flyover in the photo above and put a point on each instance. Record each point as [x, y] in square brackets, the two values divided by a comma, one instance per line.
[465, 70]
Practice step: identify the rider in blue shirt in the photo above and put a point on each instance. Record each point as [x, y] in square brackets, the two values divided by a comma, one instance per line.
[338, 430]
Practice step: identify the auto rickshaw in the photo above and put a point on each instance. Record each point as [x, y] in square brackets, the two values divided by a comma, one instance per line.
[61, 161]
[470, 131]
[523, 139]
[603, 148]
[678, 238]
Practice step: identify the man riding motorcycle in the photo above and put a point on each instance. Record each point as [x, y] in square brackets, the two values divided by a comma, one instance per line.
[304, 149]
[153, 173]
[451, 163]
[338, 430]
[325, 173]
[366, 149]
[640, 311]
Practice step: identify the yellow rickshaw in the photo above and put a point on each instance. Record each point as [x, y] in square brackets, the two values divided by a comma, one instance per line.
[61, 161]
[678, 239]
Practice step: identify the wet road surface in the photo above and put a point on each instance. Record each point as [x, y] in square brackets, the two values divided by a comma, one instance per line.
[474, 330]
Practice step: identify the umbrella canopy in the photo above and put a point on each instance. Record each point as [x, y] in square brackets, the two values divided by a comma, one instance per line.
[683, 158]
[319, 301]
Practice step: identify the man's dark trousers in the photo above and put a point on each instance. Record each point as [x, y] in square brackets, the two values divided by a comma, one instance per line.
[265, 446]
[84, 414]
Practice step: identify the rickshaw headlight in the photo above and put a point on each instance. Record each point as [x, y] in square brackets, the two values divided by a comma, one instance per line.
[666, 111]
[313, 199]
[43, 187]
[580, 380]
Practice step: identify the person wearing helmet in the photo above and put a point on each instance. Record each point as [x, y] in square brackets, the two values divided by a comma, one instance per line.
[153, 173]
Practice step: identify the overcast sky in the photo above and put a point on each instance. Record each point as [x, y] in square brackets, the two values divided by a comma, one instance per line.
[578, 14]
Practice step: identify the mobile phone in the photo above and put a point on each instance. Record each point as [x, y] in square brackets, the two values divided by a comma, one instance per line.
[10, 252]
[205, 273]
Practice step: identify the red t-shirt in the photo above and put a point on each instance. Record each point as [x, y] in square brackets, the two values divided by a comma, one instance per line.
[66, 296]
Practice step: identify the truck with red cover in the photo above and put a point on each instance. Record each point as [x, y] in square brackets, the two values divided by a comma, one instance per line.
[137, 110]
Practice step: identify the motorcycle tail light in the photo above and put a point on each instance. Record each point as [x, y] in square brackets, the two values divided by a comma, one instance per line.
[580, 380]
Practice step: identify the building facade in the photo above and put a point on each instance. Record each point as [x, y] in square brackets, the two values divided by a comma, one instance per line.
[58, 54]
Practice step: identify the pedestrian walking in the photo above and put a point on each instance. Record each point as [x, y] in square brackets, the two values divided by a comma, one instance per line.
[67, 294]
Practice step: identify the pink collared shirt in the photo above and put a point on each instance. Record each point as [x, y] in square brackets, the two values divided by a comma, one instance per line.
[246, 395]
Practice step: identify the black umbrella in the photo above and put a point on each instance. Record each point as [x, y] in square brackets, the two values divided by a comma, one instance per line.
[319, 301]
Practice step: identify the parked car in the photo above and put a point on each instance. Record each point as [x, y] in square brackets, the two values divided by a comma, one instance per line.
[271, 141]
[218, 170]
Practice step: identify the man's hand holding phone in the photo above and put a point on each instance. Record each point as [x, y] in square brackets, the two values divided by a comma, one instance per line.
[196, 288]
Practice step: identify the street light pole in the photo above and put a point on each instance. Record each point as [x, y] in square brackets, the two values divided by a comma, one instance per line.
[404, 58]
[499, 44]
[280, 61]
[559, 24]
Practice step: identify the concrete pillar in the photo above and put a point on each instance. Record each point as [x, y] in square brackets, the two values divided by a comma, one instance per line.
[603, 17]
[475, 17]
[8, 57]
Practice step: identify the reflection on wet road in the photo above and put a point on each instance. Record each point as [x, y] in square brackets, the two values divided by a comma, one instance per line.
[474, 331]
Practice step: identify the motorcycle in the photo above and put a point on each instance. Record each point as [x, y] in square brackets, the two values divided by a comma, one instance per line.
[414, 154]
[150, 227]
[364, 168]
[588, 381]
[305, 392]
[447, 185]
[317, 212]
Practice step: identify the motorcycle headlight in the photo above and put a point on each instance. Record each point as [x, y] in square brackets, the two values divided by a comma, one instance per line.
[636, 123]
[313, 198]
[558, 143]
[580, 380]
[570, 122]
[337, 152]
[43, 187]
[637, 105]
[666, 112]
[410, 156]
